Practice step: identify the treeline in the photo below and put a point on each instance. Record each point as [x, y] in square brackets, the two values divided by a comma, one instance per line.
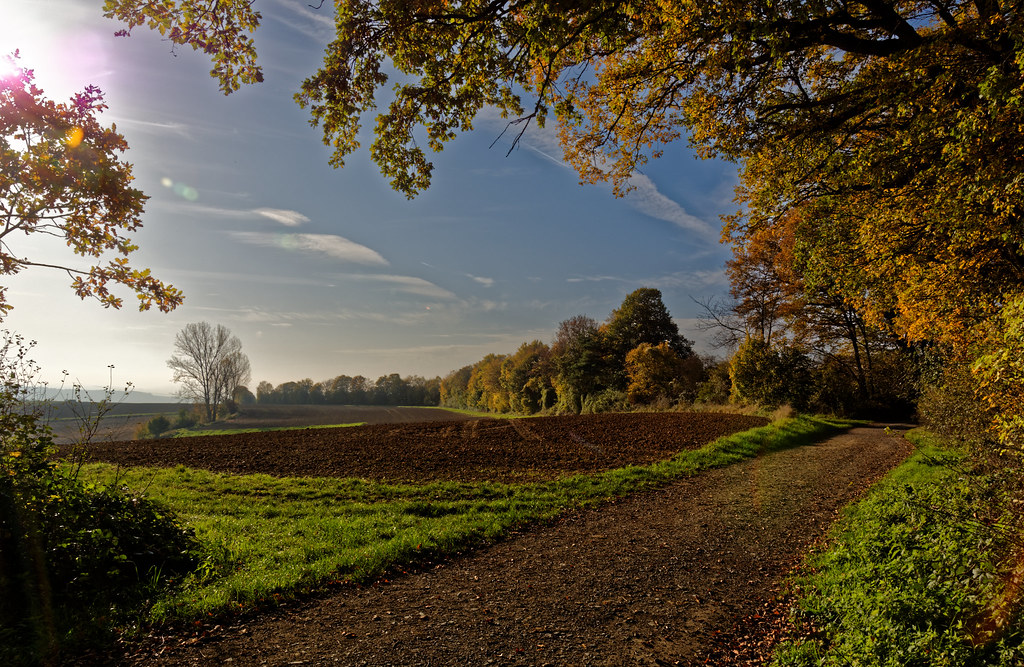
[791, 342]
[390, 389]
[789, 346]
[637, 356]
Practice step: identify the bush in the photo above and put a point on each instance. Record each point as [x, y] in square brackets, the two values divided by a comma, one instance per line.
[187, 418]
[609, 400]
[770, 376]
[158, 425]
[74, 560]
[154, 428]
[716, 388]
[949, 405]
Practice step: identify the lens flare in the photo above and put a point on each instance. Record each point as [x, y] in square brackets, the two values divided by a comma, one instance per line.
[996, 618]
[8, 70]
[186, 192]
[74, 137]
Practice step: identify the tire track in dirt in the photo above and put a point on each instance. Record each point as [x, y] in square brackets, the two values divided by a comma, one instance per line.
[643, 581]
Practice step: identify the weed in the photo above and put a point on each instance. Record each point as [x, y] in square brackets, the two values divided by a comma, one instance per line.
[917, 573]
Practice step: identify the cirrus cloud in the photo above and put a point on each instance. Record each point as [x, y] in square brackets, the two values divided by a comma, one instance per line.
[336, 247]
[285, 217]
[407, 284]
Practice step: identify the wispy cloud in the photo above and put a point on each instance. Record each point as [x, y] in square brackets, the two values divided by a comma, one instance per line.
[486, 282]
[282, 318]
[595, 279]
[285, 217]
[317, 24]
[644, 195]
[407, 284]
[279, 215]
[699, 280]
[646, 198]
[179, 129]
[336, 247]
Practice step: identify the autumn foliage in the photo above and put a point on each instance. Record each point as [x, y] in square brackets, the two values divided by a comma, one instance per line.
[636, 357]
[61, 175]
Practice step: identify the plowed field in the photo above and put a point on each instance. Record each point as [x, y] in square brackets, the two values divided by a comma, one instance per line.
[474, 450]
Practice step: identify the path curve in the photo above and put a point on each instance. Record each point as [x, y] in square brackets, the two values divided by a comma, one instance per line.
[642, 581]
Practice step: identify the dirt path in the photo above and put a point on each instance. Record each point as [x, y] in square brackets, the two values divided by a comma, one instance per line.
[645, 581]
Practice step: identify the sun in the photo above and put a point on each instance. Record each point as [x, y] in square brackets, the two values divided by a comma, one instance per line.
[8, 69]
[64, 48]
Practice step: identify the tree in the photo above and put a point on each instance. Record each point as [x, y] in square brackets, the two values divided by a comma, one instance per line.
[484, 391]
[773, 303]
[889, 119]
[209, 364]
[61, 176]
[454, 388]
[770, 375]
[654, 372]
[577, 361]
[642, 318]
[391, 390]
[525, 378]
[242, 396]
[264, 392]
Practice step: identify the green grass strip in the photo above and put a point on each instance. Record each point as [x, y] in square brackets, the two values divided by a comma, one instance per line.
[480, 414]
[910, 570]
[270, 537]
[192, 433]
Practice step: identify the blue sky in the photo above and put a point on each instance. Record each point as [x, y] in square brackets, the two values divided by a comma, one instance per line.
[322, 272]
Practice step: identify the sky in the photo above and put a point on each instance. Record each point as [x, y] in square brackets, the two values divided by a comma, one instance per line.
[320, 271]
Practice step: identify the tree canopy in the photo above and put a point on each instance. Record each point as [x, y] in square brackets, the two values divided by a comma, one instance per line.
[61, 176]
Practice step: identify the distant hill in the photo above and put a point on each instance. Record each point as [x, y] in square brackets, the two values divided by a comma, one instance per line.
[96, 393]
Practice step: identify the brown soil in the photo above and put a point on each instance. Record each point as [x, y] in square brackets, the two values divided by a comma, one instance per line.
[124, 419]
[480, 449]
[262, 416]
[687, 575]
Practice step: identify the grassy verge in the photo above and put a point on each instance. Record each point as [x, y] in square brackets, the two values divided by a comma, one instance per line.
[270, 537]
[193, 432]
[481, 415]
[920, 572]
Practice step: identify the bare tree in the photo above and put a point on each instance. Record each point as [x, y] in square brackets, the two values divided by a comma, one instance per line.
[728, 329]
[209, 364]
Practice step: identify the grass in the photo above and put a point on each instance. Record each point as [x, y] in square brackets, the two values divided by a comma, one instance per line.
[914, 573]
[480, 414]
[193, 432]
[270, 537]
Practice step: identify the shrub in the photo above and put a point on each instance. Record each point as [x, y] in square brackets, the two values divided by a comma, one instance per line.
[78, 560]
[158, 425]
[949, 405]
[609, 400]
[73, 559]
[187, 418]
[715, 389]
[770, 375]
